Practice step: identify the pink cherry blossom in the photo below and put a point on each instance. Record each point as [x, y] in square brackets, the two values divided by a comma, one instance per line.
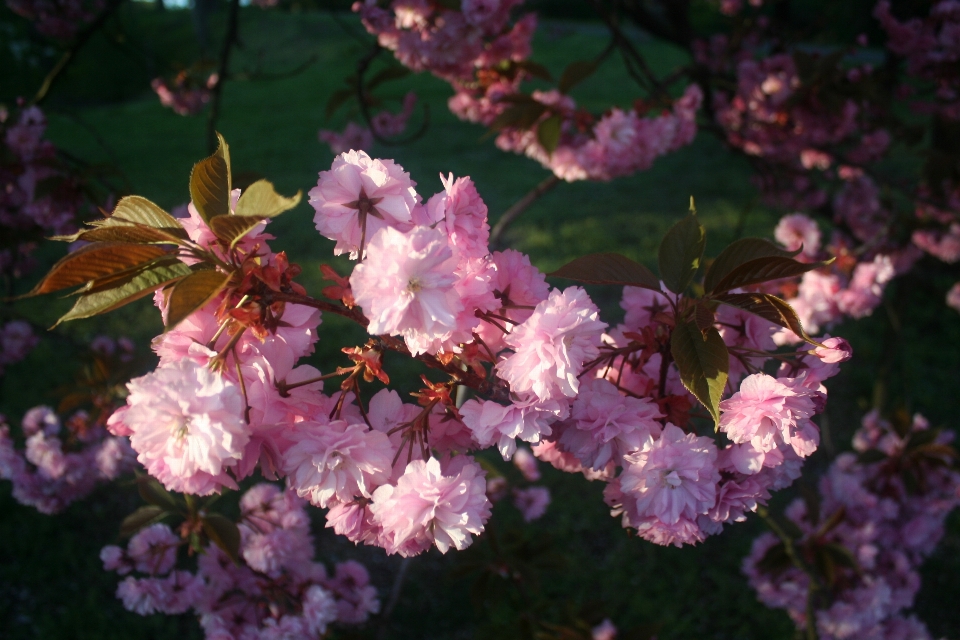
[767, 411]
[432, 504]
[608, 424]
[358, 196]
[552, 346]
[532, 502]
[336, 461]
[672, 477]
[186, 424]
[406, 284]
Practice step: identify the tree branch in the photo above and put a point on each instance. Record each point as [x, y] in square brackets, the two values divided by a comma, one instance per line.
[520, 206]
[82, 38]
[229, 40]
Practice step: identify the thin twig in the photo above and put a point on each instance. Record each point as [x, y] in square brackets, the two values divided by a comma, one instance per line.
[520, 206]
[82, 38]
[394, 598]
[229, 40]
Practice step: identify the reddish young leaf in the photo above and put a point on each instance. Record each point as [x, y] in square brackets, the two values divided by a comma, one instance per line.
[210, 183]
[575, 73]
[608, 268]
[96, 261]
[681, 251]
[142, 517]
[763, 270]
[769, 307]
[223, 533]
[192, 292]
[739, 252]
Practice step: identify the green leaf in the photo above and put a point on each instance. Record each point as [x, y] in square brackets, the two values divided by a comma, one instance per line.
[193, 292]
[210, 183]
[575, 73]
[769, 307]
[152, 491]
[680, 253]
[142, 517]
[95, 299]
[223, 533]
[763, 270]
[608, 268]
[96, 261]
[739, 252]
[703, 361]
[261, 200]
[548, 133]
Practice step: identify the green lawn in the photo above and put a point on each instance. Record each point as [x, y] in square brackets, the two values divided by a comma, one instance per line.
[51, 585]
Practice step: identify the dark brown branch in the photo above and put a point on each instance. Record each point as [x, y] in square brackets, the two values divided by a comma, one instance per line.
[520, 206]
[82, 38]
[293, 298]
[229, 40]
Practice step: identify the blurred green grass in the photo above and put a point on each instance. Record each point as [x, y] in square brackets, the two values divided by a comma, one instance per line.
[51, 585]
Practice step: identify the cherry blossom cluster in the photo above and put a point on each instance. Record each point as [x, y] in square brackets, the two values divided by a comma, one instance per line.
[16, 341]
[850, 287]
[276, 591]
[482, 55]
[39, 196]
[187, 93]
[384, 124]
[61, 461]
[58, 19]
[880, 513]
[677, 487]
[228, 396]
[589, 401]
[931, 47]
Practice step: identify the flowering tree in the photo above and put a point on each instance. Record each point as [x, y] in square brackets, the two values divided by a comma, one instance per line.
[706, 346]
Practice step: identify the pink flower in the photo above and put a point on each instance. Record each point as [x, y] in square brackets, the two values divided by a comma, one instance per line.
[532, 502]
[356, 598]
[154, 549]
[443, 505]
[953, 297]
[604, 631]
[641, 306]
[406, 284]
[358, 196]
[767, 411]
[186, 424]
[797, 230]
[463, 215]
[608, 424]
[527, 464]
[834, 350]
[336, 461]
[672, 477]
[493, 423]
[353, 138]
[552, 346]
